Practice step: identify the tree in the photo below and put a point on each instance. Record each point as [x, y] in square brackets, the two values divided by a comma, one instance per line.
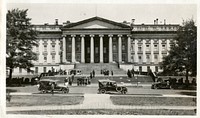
[20, 37]
[183, 53]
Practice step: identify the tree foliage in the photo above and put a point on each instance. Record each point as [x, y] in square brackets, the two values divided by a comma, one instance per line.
[21, 37]
[183, 53]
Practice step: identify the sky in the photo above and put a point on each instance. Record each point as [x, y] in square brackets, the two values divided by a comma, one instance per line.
[142, 13]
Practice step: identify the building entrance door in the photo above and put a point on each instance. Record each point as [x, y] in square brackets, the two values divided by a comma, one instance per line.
[106, 49]
[96, 49]
[87, 49]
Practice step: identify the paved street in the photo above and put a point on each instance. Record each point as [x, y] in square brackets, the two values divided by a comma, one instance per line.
[92, 100]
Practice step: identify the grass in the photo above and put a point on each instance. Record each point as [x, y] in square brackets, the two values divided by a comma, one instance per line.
[107, 112]
[152, 101]
[42, 100]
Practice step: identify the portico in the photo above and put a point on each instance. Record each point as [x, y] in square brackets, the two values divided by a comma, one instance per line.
[95, 40]
[95, 48]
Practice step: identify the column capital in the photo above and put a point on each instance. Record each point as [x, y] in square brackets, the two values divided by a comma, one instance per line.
[82, 35]
[91, 35]
[101, 35]
[119, 35]
[128, 35]
[110, 35]
[63, 35]
[73, 35]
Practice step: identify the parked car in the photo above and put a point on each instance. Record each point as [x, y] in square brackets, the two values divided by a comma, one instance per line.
[110, 86]
[161, 85]
[45, 86]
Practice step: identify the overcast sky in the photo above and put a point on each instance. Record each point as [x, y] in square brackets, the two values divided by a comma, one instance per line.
[142, 13]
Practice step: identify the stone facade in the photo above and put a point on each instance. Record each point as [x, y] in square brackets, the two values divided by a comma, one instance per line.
[98, 40]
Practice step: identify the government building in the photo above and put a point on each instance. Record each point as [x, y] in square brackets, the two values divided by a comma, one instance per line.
[101, 43]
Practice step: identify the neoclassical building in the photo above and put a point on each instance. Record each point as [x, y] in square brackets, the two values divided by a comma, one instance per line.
[99, 40]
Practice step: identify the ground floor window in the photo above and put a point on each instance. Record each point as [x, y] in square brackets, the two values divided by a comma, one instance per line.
[156, 68]
[44, 69]
[140, 69]
[36, 69]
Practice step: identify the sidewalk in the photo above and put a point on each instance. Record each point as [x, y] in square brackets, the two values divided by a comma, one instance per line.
[96, 101]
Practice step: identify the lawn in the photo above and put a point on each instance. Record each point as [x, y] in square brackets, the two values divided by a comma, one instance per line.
[41, 100]
[152, 101]
[107, 112]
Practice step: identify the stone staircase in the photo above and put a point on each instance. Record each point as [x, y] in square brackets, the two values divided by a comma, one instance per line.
[88, 67]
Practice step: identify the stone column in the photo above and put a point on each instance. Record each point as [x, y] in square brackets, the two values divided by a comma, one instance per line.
[159, 50]
[82, 49]
[168, 46]
[110, 49]
[144, 51]
[129, 48]
[73, 49]
[120, 48]
[92, 49]
[64, 49]
[152, 50]
[101, 48]
[136, 51]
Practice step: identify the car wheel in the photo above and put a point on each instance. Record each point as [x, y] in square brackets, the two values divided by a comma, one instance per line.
[65, 90]
[155, 87]
[123, 92]
[119, 89]
[43, 91]
[102, 91]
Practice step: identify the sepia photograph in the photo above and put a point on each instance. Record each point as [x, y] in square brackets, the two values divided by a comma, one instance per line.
[103, 58]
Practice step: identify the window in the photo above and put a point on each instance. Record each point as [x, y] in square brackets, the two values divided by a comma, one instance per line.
[140, 69]
[163, 47]
[78, 47]
[147, 48]
[53, 47]
[156, 68]
[114, 48]
[45, 58]
[88, 50]
[148, 58]
[139, 48]
[96, 50]
[44, 69]
[45, 47]
[123, 47]
[156, 57]
[36, 69]
[53, 58]
[140, 59]
[104, 49]
[69, 48]
[155, 47]
[148, 68]
[132, 48]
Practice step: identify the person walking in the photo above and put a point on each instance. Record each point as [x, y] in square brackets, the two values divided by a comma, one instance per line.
[66, 82]
[93, 73]
[52, 88]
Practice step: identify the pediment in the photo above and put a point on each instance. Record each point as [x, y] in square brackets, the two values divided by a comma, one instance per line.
[96, 23]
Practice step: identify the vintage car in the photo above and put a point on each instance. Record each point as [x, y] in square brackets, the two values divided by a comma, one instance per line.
[45, 86]
[161, 85]
[110, 86]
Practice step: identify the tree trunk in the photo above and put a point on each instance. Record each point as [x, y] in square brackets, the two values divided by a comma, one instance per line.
[186, 81]
[10, 76]
[186, 74]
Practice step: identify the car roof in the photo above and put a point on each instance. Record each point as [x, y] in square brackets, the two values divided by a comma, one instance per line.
[50, 80]
[106, 80]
